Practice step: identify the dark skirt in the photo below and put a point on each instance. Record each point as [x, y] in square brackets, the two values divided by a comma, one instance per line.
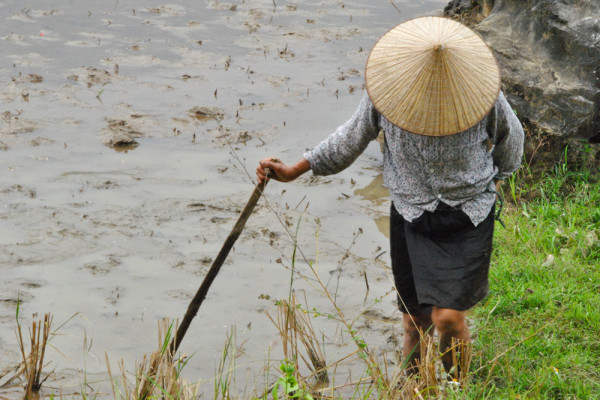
[440, 259]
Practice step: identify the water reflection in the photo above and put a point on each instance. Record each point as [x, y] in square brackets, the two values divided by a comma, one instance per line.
[378, 194]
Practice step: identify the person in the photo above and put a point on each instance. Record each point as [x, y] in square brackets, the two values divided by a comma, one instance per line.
[450, 138]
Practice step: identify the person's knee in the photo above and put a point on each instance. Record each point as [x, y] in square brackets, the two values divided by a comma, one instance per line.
[448, 320]
[417, 325]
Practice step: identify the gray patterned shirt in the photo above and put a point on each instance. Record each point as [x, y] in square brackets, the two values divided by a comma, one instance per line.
[420, 171]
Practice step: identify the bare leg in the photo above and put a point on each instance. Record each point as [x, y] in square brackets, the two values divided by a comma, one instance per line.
[414, 327]
[452, 327]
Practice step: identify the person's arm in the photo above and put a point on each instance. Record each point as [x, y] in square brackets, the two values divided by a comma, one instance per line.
[333, 154]
[343, 146]
[279, 171]
[508, 136]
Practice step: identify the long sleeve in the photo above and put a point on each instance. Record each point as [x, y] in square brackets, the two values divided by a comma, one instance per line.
[507, 136]
[342, 147]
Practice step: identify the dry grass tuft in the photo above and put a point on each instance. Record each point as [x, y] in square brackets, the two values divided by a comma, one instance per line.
[295, 327]
[429, 380]
[156, 376]
[33, 362]
[462, 355]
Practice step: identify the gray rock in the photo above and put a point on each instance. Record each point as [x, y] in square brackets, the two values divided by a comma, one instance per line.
[549, 54]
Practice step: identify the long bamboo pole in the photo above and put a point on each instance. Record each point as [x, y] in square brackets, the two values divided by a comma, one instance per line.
[196, 302]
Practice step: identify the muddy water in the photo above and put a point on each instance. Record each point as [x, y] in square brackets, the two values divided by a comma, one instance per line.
[128, 132]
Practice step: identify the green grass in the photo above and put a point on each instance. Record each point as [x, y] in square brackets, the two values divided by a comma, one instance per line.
[545, 287]
[538, 333]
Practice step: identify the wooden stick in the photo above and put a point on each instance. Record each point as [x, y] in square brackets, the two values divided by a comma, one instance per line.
[194, 305]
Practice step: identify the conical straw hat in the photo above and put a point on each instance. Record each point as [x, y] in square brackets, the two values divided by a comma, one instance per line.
[432, 76]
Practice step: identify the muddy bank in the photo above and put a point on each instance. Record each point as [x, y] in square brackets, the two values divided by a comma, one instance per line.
[127, 136]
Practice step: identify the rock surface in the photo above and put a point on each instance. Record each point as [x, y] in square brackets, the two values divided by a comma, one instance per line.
[549, 54]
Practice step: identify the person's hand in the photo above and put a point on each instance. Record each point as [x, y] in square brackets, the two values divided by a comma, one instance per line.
[280, 171]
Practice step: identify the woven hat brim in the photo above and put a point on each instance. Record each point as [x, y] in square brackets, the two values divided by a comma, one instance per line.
[432, 76]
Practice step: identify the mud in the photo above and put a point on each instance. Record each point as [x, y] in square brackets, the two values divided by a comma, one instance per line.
[129, 133]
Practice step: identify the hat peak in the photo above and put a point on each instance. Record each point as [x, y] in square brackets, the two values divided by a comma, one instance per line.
[432, 76]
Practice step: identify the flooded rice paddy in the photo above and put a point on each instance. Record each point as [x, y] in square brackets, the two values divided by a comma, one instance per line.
[129, 133]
